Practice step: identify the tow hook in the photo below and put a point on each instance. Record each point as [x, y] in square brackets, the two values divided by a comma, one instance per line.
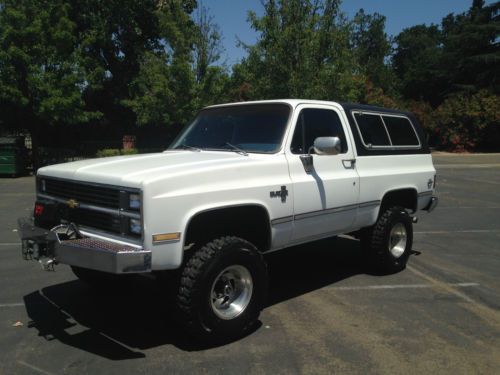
[40, 244]
[414, 219]
[47, 264]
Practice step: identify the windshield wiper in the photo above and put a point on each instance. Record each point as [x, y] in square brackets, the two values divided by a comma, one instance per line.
[187, 147]
[237, 149]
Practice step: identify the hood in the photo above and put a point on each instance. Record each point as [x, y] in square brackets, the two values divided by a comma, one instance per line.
[134, 170]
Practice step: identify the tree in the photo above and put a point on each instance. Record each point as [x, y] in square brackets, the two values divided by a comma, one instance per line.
[302, 51]
[212, 80]
[461, 56]
[471, 51]
[114, 36]
[41, 78]
[163, 92]
[68, 62]
[468, 122]
[417, 63]
[207, 42]
[372, 47]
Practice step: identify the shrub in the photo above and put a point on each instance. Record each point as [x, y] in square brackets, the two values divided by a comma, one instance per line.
[104, 153]
[129, 151]
[469, 122]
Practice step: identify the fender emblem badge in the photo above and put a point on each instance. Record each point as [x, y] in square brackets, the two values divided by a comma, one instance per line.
[283, 193]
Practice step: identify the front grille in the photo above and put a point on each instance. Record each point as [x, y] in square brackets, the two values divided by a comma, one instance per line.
[112, 200]
[84, 193]
[94, 219]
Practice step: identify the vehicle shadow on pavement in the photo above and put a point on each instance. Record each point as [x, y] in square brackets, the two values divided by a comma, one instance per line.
[302, 269]
[121, 323]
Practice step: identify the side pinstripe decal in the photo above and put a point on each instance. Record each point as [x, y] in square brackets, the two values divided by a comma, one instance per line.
[306, 215]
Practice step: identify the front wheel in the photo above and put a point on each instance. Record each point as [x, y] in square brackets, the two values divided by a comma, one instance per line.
[388, 243]
[223, 289]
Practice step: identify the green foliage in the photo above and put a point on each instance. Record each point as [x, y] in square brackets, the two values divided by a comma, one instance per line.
[461, 56]
[302, 51]
[416, 62]
[107, 152]
[152, 91]
[122, 64]
[371, 47]
[41, 80]
[465, 122]
[454, 68]
[129, 151]
[309, 49]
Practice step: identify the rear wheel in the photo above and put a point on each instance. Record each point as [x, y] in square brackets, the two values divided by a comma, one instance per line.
[388, 243]
[223, 289]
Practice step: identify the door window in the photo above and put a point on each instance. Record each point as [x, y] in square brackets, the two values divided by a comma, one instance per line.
[313, 123]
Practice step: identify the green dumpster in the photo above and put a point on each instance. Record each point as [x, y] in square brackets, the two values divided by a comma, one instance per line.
[12, 156]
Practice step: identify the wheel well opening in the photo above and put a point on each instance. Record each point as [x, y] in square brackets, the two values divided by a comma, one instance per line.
[407, 198]
[248, 222]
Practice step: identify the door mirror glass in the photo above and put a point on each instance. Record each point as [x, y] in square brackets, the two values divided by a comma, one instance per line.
[327, 146]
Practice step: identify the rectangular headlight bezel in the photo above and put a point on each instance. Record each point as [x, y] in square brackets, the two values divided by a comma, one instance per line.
[135, 226]
[134, 201]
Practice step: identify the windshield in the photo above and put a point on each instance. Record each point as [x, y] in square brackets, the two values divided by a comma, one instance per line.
[241, 128]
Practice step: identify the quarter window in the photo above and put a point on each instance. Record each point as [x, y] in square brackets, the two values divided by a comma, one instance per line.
[372, 129]
[313, 123]
[401, 131]
[383, 130]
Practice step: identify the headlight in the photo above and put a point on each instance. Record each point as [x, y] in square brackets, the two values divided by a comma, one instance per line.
[135, 226]
[134, 201]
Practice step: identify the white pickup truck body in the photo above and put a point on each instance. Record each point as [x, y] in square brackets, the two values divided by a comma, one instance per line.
[270, 198]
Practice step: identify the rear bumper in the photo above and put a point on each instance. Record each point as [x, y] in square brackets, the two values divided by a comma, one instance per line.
[96, 254]
[432, 204]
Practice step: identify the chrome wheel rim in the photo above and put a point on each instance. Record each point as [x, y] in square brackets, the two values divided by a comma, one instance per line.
[231, 292]
[397, 240]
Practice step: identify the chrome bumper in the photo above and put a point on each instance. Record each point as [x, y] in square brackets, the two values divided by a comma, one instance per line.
[49, 247]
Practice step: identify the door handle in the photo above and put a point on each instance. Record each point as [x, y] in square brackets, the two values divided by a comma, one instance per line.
[349, 163]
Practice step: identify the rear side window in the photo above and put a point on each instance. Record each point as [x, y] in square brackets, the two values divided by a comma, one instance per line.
[372, 129]
[386, 131]
[313, 123]
[401, 131]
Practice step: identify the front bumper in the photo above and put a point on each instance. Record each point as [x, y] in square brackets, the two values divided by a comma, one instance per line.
[51, 247]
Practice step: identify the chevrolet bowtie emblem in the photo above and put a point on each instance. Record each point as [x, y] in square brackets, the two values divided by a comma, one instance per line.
[72, 203]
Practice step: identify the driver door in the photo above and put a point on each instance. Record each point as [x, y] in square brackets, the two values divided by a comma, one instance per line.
[326, 198]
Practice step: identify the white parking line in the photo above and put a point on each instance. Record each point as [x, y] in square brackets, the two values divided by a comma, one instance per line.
[468, 207]
[459, 231]
[400, 286]
[34, 368]
[485, 312]
[11, 304]
[466, 166]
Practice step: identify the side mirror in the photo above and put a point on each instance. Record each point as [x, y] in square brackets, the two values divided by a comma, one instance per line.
[327, 146]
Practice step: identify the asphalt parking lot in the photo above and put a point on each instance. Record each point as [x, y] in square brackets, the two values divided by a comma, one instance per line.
[325, 314]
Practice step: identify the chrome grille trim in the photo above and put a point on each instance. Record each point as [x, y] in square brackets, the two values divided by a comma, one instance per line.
[98, 206]
[92, 207]
[103, 196]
